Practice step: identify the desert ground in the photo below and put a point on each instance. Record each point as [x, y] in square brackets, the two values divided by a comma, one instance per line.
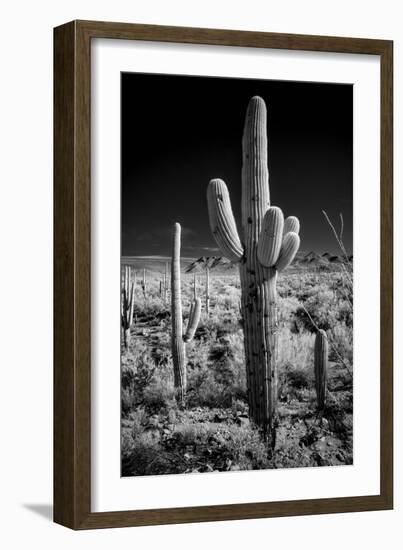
[212, 433]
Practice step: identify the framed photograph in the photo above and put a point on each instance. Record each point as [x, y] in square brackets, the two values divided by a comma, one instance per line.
[222, 275]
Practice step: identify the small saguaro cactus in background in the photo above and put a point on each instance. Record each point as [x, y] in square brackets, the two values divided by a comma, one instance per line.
[321, 365]
[127, 304]
[267, 245]
[206, 263]
[166, 282]
[178, 338]
[195, 286]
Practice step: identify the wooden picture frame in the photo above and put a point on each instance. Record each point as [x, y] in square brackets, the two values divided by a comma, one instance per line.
[72, 304]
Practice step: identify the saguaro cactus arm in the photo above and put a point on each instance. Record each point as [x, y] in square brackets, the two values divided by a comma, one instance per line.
[289, 248]
[222, 221]
[271, 236]
[291, 224]
[194, 318]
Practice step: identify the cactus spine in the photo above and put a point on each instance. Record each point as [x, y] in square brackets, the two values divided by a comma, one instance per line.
[261, 254]
[178, 339]
[321, 364]
[127, 304]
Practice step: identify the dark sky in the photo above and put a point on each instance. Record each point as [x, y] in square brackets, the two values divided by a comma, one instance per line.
[178, 132]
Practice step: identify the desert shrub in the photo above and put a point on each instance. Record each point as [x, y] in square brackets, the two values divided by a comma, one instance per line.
[246, 448]
[329, 302]
[203, 390]
[227, 298]
[295, 350]
[296, 383]
[345, 312]
[131, 435]
[239, 406]
[128, 401]
[161, 353]
[188, 433]
[153, 309]
[197, 352]
[219, 324]
[216, 374]
[341, 339]
[299, 378]
[136, 373]
[126, 445]
[145, 457]
[212, 394]
[223, 446]
[287, 308]
[231, 371]
[207, 329]
[159, 394]
[289, 285]
[295, 363]
[138, 422]
[321, 308]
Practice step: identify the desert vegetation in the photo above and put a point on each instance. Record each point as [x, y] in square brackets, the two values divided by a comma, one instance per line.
[213, 431]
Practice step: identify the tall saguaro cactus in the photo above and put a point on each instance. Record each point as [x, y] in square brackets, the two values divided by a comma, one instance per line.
[127, 304]
[320, 365]
[262, 250]
[179, 339]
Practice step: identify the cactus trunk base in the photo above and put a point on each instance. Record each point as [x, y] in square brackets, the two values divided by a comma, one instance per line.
[259, 311]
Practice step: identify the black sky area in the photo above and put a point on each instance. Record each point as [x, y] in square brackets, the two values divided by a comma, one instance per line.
[178, 132]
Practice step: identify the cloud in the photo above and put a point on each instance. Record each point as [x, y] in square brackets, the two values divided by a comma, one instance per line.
[187, 232]
[205, 248]
[159, 240]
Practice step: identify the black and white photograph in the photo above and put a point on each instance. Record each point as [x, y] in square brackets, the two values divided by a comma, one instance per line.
[236, 274]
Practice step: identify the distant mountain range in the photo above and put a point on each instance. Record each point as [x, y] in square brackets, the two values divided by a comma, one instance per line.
[311, 260]
[209, 261]
[314, 259]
